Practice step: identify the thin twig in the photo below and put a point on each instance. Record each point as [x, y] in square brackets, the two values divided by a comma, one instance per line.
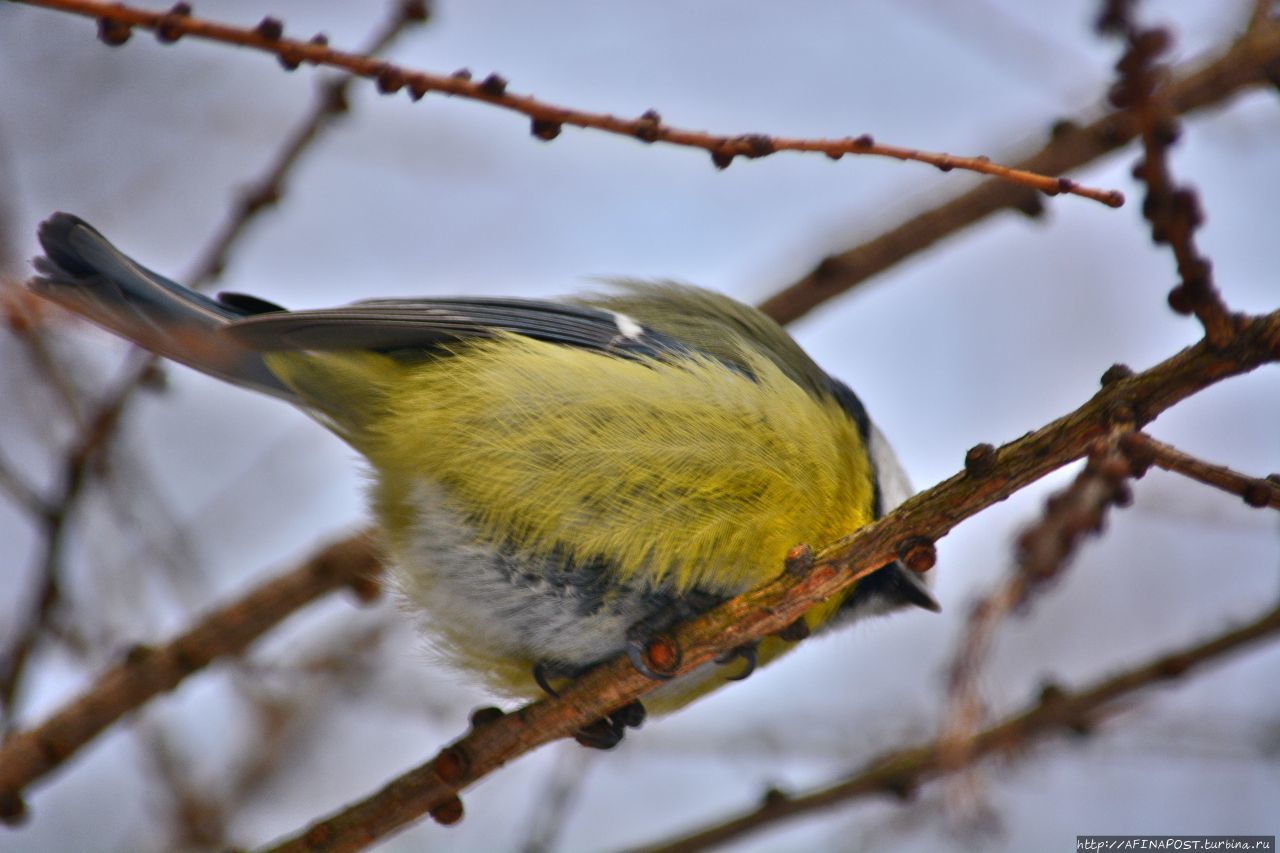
[115, 23]
[74, 476]
[148, 671]
[1250, 61]
[902, 771]
[22, 492]
[906, 533]
[330, 104]
[556, 798]
[1042, 553]
[110, 410]
[1173, 210]
[1255, 491]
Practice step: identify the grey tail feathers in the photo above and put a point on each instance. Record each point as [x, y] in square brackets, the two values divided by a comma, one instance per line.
[83, 272]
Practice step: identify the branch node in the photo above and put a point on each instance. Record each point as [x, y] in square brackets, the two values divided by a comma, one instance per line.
[390, 80]
[451, 765]
[545, 129]
[13, 809]
[168, 30]
[495, 85]
[918, 553]
[901, 788]
[112, 32]
[799, 560]
[485, 716]
[137, 654]
[774, 797]
[366, 589]
[270, 29]
[648, 126]
[795, 632]
[980, 460]
[448, 812]
[722, 158]
[1120, 414]
[756, 145]
[1115, 373]
[414, 11]
[1257, 495]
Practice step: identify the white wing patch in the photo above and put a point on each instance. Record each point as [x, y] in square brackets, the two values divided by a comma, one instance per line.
[627, 327]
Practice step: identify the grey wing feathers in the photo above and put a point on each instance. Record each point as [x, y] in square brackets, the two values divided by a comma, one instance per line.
[412, 326]
[83, 272]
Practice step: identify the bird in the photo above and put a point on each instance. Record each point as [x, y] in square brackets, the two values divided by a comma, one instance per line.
[555, 482]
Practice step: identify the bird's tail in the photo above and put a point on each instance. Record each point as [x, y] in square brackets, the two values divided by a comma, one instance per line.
[83, 272]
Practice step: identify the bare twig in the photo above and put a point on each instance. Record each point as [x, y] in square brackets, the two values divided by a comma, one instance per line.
[556, 797]
[902, 771]
[1173, 211]
[110, 410]
[74, 475]
[906, 533]
[22, 492]
[1256, 492]
[330, 104]
[198, 820]
[147, 671]
[1250, 61]
[1043, 551]
[116, 21]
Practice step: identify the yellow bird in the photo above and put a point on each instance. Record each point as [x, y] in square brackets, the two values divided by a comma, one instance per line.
[556, 481]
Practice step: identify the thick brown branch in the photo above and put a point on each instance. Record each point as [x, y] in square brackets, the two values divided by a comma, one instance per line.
[496, 739]
[147, 672]
[900, 772]
[1247, 63]
[1256, 492]
[115, 23]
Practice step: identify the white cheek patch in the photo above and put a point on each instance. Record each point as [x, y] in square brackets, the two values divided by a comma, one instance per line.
[894, 485]
[627, 327]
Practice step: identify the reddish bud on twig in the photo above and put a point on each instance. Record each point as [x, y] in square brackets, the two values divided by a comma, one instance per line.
[168, 30]
[545, 129]
[918, 554]
[494, 85]
[488, 715]
[271, 29]
[113, 32]
[447, 813]
[980, 460]
[799, 560]
[1115, 373]
[451, 765]
[648, 127]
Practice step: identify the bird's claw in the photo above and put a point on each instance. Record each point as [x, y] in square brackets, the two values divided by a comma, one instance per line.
[608, 733]
[747, 653]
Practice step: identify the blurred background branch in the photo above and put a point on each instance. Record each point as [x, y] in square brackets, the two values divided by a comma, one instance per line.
[976, 340]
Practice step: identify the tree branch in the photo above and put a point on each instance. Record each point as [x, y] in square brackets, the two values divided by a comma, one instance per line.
[330, 103]
[1256, 492]
[908, 532]
[902, 771]
[1042, 554]
[116, 22]
[1250, 61]
[147, 671]
[1173, 210]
